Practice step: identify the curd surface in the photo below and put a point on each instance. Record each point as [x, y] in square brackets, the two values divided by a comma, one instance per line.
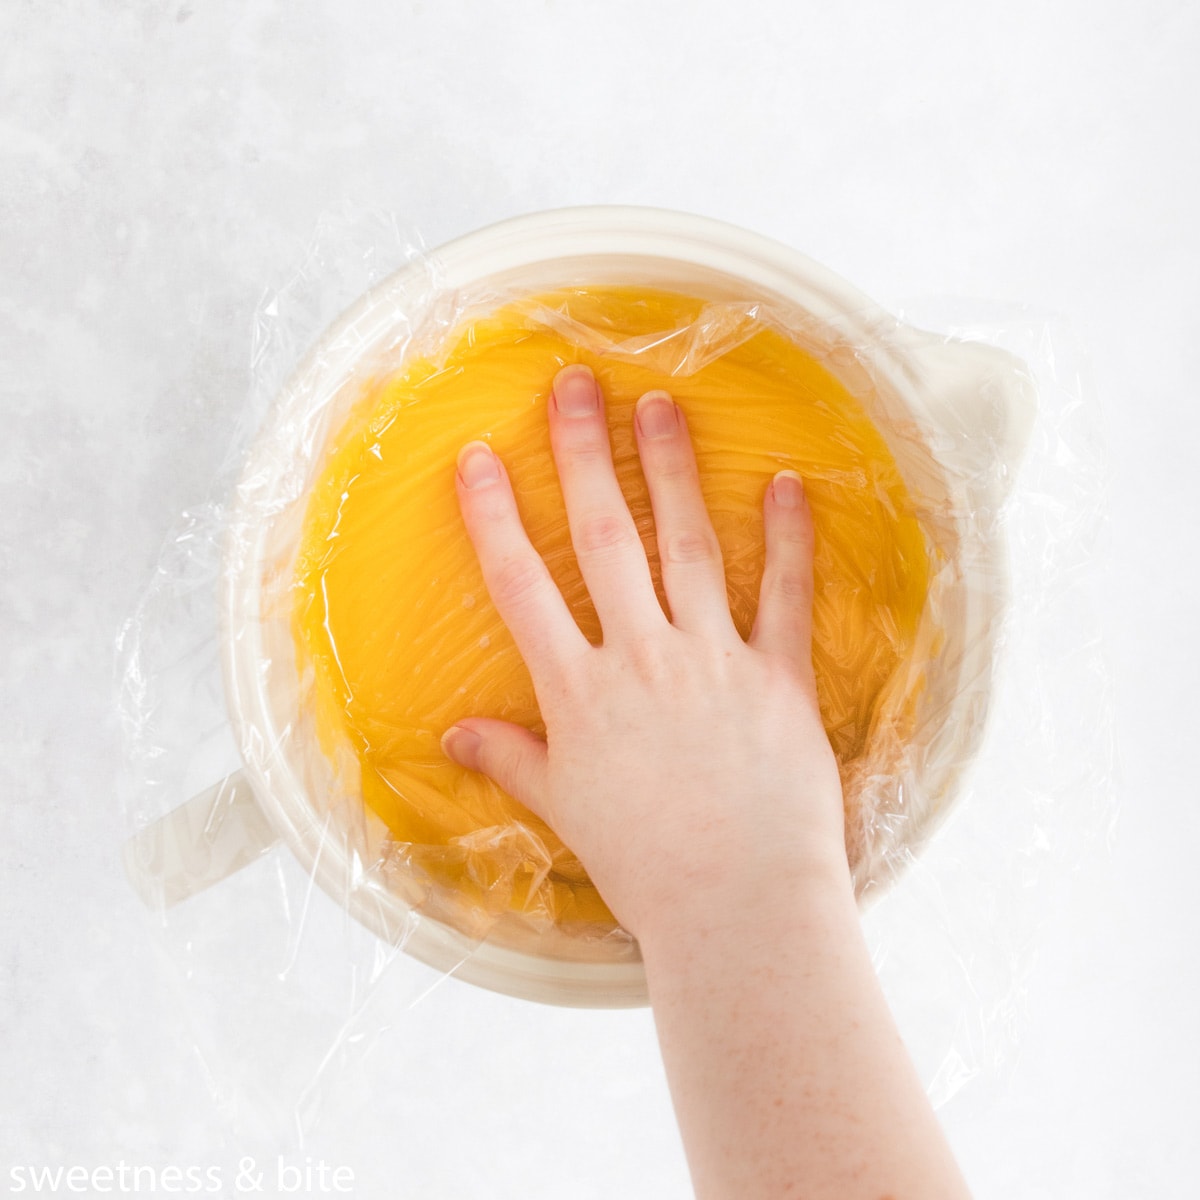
[396, 635]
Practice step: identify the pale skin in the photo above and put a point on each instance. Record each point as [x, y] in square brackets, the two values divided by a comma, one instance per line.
[690, 772]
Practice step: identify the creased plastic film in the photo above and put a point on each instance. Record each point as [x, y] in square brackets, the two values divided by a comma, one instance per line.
[314, 629]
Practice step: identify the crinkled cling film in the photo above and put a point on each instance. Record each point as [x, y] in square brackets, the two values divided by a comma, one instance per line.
[356, 628]
[395, 626]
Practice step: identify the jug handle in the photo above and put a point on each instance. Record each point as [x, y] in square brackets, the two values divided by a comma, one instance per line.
[981, 396]
[203, 841]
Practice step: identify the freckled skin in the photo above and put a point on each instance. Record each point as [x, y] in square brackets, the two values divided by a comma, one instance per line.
[396, 628]
[691, 771]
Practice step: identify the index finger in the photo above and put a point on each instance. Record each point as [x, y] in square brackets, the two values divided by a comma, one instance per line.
[520, 586]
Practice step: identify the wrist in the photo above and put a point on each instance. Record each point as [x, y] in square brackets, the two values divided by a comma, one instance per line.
[756, 918]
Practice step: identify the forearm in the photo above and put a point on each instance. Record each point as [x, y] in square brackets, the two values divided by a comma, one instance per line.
[787, 1072]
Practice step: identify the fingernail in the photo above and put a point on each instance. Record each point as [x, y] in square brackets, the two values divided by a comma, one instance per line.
[461, 746]
[478, 467]
[656, 415]
[575, 391]
[788, 488]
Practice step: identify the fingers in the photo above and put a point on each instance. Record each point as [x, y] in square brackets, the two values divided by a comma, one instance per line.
[607, 546]
[692, 571]
[507, 753]
[517, 580]
[783, 625]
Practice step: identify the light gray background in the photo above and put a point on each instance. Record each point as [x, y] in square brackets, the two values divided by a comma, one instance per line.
[160, 165]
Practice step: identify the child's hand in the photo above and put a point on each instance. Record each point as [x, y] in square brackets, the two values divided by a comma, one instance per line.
[686, 768]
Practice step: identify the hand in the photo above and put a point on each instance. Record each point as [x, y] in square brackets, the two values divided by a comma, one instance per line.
[688, 769]
[690, 773]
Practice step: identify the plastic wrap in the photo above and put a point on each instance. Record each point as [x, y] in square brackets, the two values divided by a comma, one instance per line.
[954, 487]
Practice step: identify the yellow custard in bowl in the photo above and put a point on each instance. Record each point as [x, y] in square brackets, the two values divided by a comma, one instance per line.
[393, 625]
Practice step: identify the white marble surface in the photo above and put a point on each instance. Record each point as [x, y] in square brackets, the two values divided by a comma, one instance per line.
[160, 165]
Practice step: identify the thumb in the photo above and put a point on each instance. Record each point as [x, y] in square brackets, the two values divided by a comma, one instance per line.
[507, 753]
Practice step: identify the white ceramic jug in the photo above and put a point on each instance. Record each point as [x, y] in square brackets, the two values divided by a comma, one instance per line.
[955, 416]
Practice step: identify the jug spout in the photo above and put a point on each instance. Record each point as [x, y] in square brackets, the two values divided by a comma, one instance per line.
[980, 402]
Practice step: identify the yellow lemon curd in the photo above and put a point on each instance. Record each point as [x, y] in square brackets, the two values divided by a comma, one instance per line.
[394, 629]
